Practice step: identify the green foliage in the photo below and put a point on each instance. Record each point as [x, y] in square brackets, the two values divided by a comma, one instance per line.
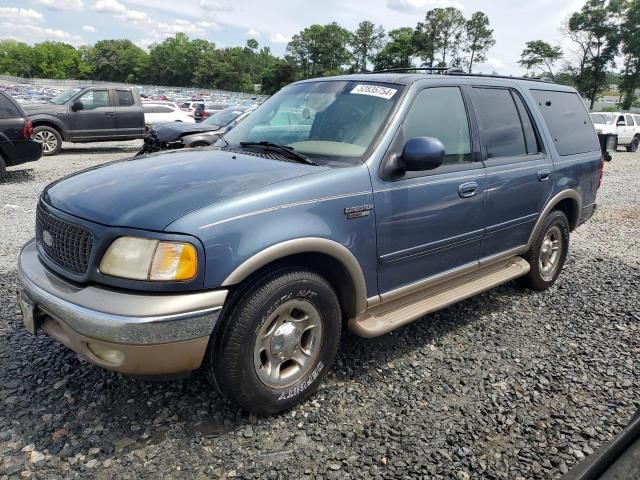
[117, 60]
[58, 60]
[16, 58]
[540, 54]
[365, 42]
[595, 29]
[630, 38]
[479, 39]
[397, 52]
[320, 48]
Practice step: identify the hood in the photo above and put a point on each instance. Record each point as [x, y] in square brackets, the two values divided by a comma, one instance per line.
[169, 131]
[35, 108]
[150, 192]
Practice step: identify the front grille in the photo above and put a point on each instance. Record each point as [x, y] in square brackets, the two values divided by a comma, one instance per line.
[66, 244]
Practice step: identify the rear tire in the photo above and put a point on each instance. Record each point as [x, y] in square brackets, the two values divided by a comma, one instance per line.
[548, 252]
[277, 343]
[633, 146]
[50, 138]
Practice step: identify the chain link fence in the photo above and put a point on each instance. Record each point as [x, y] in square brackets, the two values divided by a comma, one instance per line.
[54, 83]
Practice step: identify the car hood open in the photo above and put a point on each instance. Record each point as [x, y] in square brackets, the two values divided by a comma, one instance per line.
[150, 192]
[170, 131]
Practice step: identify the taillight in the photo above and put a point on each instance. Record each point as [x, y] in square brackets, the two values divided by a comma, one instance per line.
[204, 114]
[27, 129]
[601, 172]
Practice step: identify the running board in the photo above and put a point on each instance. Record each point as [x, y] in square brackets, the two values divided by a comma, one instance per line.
[396, 313]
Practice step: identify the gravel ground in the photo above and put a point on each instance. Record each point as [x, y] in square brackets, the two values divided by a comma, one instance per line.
[511, 384]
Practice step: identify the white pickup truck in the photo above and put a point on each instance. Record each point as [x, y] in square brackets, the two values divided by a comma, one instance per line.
[625, 125]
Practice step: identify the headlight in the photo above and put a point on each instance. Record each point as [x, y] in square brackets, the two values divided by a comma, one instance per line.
[146, 259]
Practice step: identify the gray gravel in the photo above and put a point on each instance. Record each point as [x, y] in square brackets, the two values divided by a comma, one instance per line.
[511, 384]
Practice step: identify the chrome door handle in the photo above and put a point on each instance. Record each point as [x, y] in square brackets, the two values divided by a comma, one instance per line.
[544, 175]
[468, 189]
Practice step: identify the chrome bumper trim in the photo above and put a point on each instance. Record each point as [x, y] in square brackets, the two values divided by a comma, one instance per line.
[114, 316]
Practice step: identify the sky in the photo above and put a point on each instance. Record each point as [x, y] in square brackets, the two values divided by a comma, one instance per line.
[271, 22]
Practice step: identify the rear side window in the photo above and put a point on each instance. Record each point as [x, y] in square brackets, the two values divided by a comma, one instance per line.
[7, 108]
[568, 121]
[125, 98]
[629, 120]
[530, 136]
[499, 122]
[440, 113]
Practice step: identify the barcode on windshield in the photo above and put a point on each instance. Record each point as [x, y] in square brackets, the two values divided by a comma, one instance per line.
[374, 91]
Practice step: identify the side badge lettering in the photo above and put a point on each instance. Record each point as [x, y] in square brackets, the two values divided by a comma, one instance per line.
[358, 211]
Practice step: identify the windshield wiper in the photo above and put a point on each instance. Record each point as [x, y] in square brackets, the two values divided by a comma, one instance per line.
[282, 148]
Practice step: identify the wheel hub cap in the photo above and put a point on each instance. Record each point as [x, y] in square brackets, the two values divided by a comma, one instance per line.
[550, 253]
[288, 343]
[285, 340]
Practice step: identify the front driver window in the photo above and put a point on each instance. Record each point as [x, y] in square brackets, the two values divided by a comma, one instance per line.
[440, 113]
[95, 99]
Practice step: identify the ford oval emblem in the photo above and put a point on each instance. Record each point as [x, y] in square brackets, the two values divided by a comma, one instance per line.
[47, 238]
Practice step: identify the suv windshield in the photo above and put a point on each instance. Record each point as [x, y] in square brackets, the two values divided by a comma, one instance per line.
[603, 118]
[324, 120]
[66, 95]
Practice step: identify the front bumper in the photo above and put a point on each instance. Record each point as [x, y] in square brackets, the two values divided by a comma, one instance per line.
[153, 334]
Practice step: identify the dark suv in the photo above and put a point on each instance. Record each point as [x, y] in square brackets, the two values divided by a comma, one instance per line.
[16, 145]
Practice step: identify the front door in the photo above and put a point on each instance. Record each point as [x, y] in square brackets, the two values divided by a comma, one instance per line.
[94, 116]
[430, 222]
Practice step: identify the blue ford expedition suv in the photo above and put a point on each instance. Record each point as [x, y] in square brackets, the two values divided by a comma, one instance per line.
[386, 197]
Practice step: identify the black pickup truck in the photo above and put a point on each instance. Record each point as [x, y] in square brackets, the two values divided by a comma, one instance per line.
[87, 114]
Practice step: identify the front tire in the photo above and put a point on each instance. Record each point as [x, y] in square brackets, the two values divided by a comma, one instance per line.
[50, 139]
[548, 252]
[277, 343]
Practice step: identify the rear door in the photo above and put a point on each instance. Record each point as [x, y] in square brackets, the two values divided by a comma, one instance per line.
[130, 117]
[625, 131]
[518, 170]
[96, 117]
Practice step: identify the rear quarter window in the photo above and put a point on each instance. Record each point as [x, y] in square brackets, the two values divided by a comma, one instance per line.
[568, 121]
[8, 109]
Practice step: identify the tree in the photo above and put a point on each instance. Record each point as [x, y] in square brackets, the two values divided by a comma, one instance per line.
[277, 75]
[58, 60]
[630, 37]
[252, 43]
[539, 53]
[365, 42]
[440, 35]
[16, 58]
[118, 61]
[479, 39]
[595, 27]
[397, 52]
[320, 49]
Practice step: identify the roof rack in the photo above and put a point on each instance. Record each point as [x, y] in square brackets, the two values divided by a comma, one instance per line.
[459, 71]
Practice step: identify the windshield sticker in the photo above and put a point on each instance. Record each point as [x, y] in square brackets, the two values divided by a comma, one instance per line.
[374, 91]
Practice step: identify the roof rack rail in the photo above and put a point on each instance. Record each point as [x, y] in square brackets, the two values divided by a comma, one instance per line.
[459, 71]
[412, 69]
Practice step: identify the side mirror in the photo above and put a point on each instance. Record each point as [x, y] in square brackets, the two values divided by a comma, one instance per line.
[77, 105]
[621, 124]
[421, 153]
